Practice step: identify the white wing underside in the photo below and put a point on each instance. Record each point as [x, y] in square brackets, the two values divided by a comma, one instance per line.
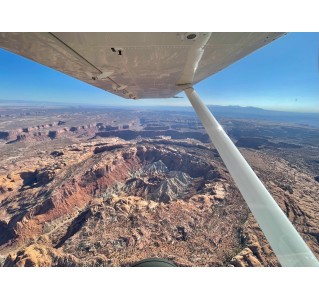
[136, 65]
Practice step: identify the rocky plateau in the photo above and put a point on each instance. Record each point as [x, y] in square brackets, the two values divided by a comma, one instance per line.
[109, 197]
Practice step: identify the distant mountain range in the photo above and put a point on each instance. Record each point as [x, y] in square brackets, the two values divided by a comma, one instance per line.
[252, 113]
[310, 119]
[231, 111]
[11, 103]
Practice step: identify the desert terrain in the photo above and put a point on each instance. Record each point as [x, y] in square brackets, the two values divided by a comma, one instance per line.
[111, 186]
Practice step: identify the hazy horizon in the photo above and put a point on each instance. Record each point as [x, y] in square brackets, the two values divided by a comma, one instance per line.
[131, 104]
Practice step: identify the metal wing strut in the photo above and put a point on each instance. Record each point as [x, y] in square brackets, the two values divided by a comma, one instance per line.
[289, 247]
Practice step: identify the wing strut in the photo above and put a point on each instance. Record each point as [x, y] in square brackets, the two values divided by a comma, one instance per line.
[289, 247]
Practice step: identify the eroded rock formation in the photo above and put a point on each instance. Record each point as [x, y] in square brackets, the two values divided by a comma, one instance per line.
[112, 202]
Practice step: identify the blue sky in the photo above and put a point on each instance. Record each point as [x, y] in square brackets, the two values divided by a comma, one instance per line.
[281, 76]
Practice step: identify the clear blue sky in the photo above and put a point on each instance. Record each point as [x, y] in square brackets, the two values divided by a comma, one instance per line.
[281, 76]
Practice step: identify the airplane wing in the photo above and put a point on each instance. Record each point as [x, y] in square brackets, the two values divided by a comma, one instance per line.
[137, 65]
